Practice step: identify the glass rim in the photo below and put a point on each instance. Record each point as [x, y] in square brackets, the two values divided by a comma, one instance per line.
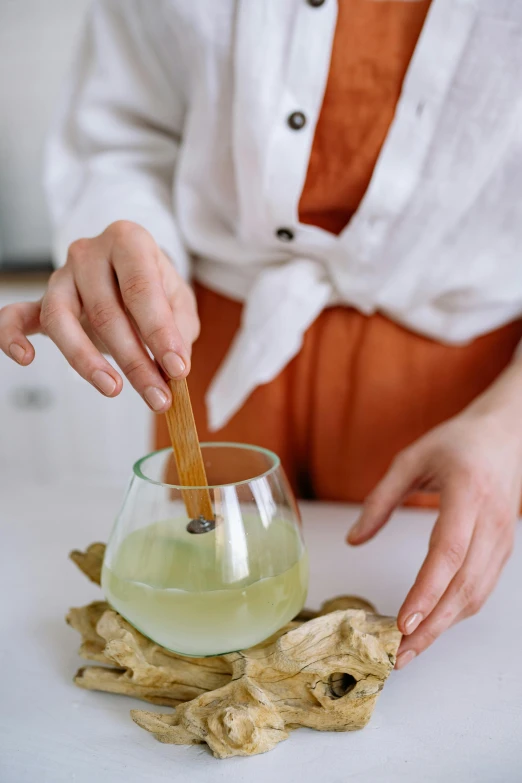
[276, 463]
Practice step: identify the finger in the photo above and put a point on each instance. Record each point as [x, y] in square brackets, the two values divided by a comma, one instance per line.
[135, 264]
[387, 495]
[104, 309]
[497, 562]
[182, 301]
[60, 319]
[184, 307]
[17, 321]
[449, 544]
[466, 593]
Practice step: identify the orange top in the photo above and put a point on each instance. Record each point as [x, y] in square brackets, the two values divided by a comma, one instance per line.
[373, 45]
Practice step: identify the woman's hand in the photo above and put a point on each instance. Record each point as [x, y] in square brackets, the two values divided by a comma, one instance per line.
[118, 290]
[475, 462]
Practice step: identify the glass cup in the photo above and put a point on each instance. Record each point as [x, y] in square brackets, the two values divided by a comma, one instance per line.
[207, 589]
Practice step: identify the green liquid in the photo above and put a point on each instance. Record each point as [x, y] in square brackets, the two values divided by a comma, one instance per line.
[211, 593]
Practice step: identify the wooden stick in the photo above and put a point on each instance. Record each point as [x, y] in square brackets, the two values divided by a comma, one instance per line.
[187, 453]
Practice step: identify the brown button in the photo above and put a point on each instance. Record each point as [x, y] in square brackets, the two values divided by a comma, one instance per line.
[315, 3]
[285, 234]
[297, 120]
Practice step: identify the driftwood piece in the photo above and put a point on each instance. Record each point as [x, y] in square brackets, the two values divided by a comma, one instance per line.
[90, 561]
[144, 669]
[323, 671]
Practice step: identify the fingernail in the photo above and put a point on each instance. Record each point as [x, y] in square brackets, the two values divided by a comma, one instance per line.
[355, 531]
[173, 364]
[405, 658]
[17, 352]
[155, 398]
[412, 622]
[104, 382]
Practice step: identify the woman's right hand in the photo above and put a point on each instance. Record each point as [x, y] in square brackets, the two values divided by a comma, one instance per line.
[121, 291]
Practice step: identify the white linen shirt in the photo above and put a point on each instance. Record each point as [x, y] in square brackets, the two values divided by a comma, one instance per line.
[176, 117]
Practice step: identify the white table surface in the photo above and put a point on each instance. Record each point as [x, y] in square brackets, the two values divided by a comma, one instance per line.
[455, 714]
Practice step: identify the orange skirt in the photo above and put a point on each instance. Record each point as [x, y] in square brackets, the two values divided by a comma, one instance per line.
[361, 389]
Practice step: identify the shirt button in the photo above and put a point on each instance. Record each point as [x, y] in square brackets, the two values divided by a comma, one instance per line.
[297, 120]
[285, 234]
[315, 3]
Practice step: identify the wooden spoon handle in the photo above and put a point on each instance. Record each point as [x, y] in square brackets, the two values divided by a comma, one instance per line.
[187, 453]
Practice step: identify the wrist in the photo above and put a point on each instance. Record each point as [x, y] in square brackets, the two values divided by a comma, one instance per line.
[501, 403]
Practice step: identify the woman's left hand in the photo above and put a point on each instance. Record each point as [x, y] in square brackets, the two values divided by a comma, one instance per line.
[475, 462]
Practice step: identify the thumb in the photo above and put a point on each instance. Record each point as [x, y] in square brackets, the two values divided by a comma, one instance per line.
[401, 477]
[16, 322]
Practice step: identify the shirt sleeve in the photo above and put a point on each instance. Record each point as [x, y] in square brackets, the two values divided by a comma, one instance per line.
[113, 148]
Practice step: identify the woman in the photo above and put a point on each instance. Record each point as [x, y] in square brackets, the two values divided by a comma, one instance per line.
[342, 181]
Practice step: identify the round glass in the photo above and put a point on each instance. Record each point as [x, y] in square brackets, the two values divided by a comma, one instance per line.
[200, 589]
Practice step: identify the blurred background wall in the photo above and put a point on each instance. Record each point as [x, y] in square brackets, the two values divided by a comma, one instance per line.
[37, 40]
[53, 426]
